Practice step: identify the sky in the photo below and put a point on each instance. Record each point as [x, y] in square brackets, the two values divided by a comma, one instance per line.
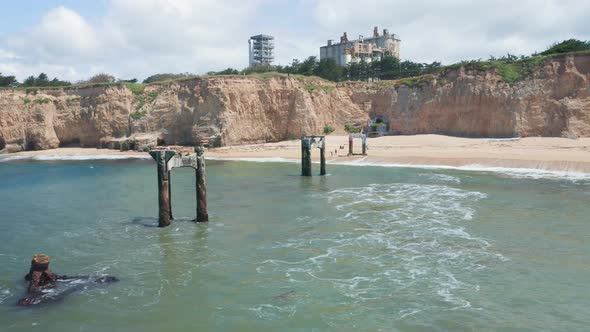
[75, 39]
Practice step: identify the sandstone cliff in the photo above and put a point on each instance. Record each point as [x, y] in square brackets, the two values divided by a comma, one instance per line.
[229, 110]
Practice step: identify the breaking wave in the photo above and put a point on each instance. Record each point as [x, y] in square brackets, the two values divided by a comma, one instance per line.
[389, 241]
[523, 173]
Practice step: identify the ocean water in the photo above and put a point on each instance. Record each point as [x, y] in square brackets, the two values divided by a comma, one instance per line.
[363, 249]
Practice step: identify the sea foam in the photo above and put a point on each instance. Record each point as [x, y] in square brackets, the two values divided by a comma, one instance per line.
[515, 172]
[401, 238]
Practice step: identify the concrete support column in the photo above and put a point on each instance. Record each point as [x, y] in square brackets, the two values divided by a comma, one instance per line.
[305, 157]
[201, 183]
[323, 160]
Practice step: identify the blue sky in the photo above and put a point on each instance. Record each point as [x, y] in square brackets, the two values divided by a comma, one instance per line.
[136, 38]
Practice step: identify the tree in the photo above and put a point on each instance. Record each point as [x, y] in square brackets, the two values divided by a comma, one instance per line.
[389, 68]
[101, 78]
[7, 80]
[308, 66]
[570, 45]
[29, 81]
[228, 71]
[329, 69]
[43, 80]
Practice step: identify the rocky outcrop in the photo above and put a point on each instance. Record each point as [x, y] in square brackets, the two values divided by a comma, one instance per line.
[230, 110]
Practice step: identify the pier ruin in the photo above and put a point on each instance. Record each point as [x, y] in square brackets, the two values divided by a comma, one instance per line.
[351, 138]
[167, 159]
[307, 143]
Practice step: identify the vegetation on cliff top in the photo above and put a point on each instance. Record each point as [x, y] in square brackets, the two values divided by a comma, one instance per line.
[567, 46]
[514, 68]
[510, 67]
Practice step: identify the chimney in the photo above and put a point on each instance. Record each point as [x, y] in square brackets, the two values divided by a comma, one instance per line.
[385, 32]
[345, 37]
[329, 42]
[376, 32]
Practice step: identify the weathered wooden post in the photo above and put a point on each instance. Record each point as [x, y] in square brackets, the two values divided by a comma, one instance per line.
[201, 183]
[305, 156]
[350, 145]
[364, 138]
[161, 157]
[323, 158]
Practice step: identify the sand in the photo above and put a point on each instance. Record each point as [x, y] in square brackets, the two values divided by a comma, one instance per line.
[546, 153]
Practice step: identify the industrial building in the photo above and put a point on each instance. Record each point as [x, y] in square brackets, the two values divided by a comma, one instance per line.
[261, 49]
[367, 49]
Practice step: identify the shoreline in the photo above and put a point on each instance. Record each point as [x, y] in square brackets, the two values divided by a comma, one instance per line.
[545, 154]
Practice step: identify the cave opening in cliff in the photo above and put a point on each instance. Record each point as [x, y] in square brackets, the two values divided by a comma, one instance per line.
[73, 143]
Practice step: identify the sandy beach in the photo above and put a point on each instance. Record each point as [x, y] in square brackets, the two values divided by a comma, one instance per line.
[545, 153]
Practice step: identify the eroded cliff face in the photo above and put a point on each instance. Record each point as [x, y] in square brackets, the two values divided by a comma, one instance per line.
[555, 101]
[232, 110]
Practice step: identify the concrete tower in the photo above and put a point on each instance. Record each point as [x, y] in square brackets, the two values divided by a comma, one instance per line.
[261, 50]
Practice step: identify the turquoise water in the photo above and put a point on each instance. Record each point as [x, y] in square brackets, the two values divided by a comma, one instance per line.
[365, 248]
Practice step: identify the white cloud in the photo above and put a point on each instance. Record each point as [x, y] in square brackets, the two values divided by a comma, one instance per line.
[137, 38]
[452, 30]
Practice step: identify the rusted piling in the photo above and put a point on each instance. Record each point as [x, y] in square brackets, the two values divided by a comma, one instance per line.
[201, 184]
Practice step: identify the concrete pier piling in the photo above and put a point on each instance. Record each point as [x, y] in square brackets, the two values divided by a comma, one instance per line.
[323, 159]
[162, 157]
[307, 143]
[166, 160]
[201, 184]
[305, 157]
[363, 138]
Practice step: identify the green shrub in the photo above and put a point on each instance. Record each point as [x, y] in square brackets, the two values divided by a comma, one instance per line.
[138, 115]
[351, 128]
[27, 100]
[328, 129]
[152, 96]
[566, 46]
[135, 88]
[326, 88]
[42, 100]
[375, 126]
[140, 100]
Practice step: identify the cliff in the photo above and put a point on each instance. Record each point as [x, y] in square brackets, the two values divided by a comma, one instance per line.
[228, 110]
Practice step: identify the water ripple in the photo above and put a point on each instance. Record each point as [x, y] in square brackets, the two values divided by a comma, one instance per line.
[391, 241]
